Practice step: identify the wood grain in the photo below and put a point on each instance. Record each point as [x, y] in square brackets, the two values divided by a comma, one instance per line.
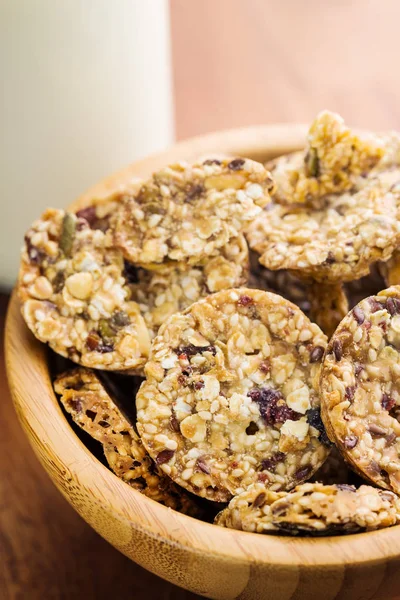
[236, 62]
[46, 549]
[212, 561]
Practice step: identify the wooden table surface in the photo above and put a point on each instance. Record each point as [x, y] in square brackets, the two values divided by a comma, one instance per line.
[236, 62]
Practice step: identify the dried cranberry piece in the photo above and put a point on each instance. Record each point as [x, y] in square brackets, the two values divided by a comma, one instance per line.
[350, 441]
[358, 369]
[270, 410]
[316, 354]
[269, 464]
[75, 405]
[245, 300]
[181, 379]
[88, 213]
[164, 456]
[265, 366]
[375, 305]
[314, 419]
[393, 306]
[349, 392]
[303, 473]
[36, 256]
[387, 402]
[174, 423]
[390, 438]
[359, 315]
[104, 348]
[236, 164]
[194, 192]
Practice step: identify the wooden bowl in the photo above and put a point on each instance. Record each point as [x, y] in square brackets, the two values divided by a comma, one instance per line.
[206, 559]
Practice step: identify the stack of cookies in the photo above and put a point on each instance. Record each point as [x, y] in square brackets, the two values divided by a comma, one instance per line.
[270, 380]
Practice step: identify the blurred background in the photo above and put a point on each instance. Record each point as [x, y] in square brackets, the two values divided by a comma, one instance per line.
[90, 85]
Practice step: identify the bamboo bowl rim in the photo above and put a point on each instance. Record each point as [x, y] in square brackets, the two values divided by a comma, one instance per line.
[55, 442]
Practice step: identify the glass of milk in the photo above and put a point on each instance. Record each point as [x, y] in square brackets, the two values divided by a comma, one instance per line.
[86, 89]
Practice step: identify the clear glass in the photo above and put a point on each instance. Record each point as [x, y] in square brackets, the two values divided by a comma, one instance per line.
[86, 89]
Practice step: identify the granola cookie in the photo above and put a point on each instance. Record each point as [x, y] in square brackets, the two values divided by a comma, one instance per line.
[312, 509]
[185, 212]
[250, 510]
[91, 407]
[160, 295]
[328, 305]
[74, 295]
[339, 242]
[360, 392]
[231, 395]
[333, 161]
[320, 509]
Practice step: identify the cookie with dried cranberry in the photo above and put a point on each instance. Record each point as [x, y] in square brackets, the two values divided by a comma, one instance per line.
[184, 213]
[231, 396]
[336, 206]
[91, 407]
[161, 294]
[317, 509]
[312, 509]
[338, 242]
[75, 297]
[360, 388]
[332, 162]
[250, 510]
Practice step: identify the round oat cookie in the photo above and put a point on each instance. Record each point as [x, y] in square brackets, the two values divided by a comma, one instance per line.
[185, 212]
[333, 161]
[312, 509]
[339, 242]
[161, 294]
[250, 510]
[360, 388]
[74, 295]
[231, 395]
[91, 407]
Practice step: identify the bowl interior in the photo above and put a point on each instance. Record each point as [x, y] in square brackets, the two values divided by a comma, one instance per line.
[92, 488]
